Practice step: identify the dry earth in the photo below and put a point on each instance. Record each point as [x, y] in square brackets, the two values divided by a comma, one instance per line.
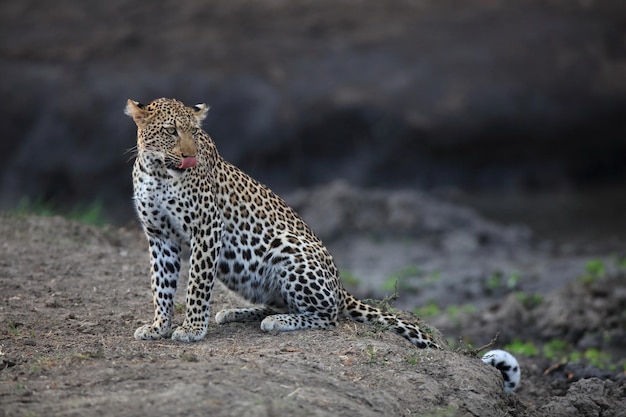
[73, 295]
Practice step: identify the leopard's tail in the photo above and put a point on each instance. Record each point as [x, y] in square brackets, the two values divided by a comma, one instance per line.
[357, 310]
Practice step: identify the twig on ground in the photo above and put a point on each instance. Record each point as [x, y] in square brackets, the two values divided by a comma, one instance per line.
[490, 344]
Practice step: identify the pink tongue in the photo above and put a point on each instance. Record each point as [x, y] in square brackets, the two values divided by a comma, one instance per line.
[188, 162]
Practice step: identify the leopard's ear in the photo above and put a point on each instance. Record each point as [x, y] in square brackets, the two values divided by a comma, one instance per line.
[137, 111]
[200, 111]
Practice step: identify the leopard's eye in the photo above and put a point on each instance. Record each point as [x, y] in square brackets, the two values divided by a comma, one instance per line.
[170, 130]
[194, 130]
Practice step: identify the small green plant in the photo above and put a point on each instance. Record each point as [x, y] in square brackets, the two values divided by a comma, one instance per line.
[89, 213]
[452, 342]
[517, 347]
[179, 308]
[529, 300]
[498, 280]
[555, 349]
[14, 328]
[595, 270]
[83, 356]
[37, 206]
[455, 311]
[494, 282]
[412, 359]
[371, 353]
[35, 369]
[397, 279]
[513, 280]
[349, 279]
[92, 213]
[429, 278]
[597, 358]
[188, 357]
[386, 303]
[429, 310]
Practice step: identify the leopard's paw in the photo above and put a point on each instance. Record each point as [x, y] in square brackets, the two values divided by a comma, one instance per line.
[280, 323]
[150, 332]
[223, 317]
[187, 333]
[271, 324]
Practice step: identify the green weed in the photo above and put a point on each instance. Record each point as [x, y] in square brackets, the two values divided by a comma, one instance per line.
[92, 213]
[560, 351]
[595, 270]
[555, 349]
[453, 342]
[179, 308]
[188, 357]
[371, 352]
[36, 369]
[598, 358]
[455, 311]
[412, 359]
[386, 303]
[513, 280]
[494, 281]
[89, 213]
[14, 328]
[83, 356]
[517, 347]
[349, 279]
[498, 280]
[431, 309]
[529, 300]
[397, 279]
[37, 206]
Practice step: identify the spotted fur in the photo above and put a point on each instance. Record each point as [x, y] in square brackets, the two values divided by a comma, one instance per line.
[506, 363]
[238, 231]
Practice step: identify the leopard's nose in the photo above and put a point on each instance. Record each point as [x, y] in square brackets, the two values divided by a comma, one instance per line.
[187, 146]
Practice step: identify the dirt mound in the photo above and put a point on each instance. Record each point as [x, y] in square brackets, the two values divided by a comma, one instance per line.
[73, 296]
[583, 314]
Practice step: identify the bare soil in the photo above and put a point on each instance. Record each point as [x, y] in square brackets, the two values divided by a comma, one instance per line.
[72, 296]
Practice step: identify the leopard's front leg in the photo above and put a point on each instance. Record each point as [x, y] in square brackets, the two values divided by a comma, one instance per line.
[205, 252]
[164, 273]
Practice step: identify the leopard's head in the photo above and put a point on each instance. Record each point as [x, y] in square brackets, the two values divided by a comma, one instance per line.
[167, 132]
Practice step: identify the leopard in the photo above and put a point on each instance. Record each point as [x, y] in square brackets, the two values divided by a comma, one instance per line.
[236, 231]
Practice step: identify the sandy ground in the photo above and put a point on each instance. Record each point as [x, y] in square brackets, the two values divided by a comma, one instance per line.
[74, 294]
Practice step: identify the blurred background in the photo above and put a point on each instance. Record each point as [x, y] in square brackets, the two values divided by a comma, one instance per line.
[516, 108]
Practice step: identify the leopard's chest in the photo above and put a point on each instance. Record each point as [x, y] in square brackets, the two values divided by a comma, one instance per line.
[166, 205]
